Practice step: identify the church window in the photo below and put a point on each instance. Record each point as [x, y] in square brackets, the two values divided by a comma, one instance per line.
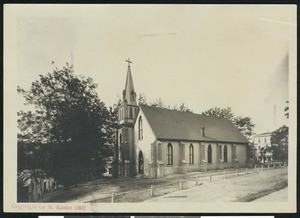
[140, 128]
[265, 140]
[121, 140]
[132, 96]
[225, 154]
[191, 154]
[209, 154]
[130, 113]
[126, 135]
[170, 154]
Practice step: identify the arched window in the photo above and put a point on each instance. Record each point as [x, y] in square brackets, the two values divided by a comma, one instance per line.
[191, 154]
[140, 128]
[121, 153]
[170, 154]
[130, 113]
[209, 154]
[225, 154]
[121, 140]
[132, 96]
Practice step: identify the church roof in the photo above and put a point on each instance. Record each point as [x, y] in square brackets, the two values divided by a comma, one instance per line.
[177, 125]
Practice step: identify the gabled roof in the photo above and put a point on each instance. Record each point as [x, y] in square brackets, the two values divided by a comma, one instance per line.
[176, 125]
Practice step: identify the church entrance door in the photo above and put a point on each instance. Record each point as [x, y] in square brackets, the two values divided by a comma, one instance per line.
[141, 163]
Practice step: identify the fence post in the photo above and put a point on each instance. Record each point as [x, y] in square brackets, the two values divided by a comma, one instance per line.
[151, 191]
[236, 172]
[224, 174]
[246, 170]
[180, 184]
[262, 167]
[268, 166]
[197, 182]
[112, 197]
[255, 168]
[209, 178]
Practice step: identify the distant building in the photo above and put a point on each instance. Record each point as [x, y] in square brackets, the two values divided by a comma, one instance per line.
[261, 142]
[156, 142]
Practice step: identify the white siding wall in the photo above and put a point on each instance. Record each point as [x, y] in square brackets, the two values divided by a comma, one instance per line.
[144, 144]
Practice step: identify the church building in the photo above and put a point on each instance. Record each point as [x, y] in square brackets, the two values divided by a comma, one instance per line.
[156, 142]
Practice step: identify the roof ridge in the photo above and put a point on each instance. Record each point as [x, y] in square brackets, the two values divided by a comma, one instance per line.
[184, 112]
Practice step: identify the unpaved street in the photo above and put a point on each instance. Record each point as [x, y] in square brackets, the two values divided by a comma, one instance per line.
[243, 188]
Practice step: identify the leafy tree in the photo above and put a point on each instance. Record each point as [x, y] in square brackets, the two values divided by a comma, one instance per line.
[113, 125]
[263, 151]
[182, 107]
[161, 104]
[279, 143]
[71, 120]
[244, 124]
[220, 112]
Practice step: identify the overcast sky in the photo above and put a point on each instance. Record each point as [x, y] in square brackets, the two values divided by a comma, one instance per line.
[204, 56]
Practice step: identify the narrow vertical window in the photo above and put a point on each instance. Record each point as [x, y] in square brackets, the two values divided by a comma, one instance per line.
[130, 113]
[121, 152]
[140, 128]
[191, 154]
[225, 154]
[209, 154]
[132, 96]
[170, 154]
[121, 140]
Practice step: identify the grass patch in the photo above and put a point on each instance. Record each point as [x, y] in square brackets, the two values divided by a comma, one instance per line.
[253, 196]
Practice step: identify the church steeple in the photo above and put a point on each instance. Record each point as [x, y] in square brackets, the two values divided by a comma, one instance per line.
[129, 94]
[127, 113]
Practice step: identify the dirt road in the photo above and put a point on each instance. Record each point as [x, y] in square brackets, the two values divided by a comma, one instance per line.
[238, 189]
[241, 188]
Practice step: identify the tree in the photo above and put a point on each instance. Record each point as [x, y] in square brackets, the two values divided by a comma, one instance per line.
[279, 143]
[112, 130]
[182, 107]
[244, 124]
[263, 153]
[220, 112]
[71, 120]
[161, 104]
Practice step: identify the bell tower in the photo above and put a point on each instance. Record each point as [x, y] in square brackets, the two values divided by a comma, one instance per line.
[126, 116]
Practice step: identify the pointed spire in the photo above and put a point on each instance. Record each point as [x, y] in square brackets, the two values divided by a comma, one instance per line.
[129, 94]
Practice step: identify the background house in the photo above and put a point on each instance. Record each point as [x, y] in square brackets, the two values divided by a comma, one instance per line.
[261, 144]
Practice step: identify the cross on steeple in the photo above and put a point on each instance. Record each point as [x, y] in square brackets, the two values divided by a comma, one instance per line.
[140, 98]
[129, 62]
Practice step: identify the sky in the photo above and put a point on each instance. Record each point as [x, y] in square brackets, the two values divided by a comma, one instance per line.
[200, 55]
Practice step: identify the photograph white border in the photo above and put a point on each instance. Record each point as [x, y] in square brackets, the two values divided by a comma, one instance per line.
[11, 14]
